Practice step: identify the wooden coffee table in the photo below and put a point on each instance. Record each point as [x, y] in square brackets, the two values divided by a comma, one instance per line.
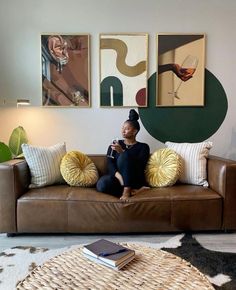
[151, 269]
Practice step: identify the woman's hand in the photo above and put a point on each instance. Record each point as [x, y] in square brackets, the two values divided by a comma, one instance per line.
[117, 147]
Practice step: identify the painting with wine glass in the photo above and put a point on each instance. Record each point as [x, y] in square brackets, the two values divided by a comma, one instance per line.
[180, 70]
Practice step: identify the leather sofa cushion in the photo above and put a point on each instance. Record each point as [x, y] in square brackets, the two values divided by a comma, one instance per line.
[66, 193]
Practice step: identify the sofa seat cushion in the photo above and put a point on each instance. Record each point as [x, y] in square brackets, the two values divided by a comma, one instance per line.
[54, 192]
[191, 207]
[177, 192]
[66, 193]
[195, 208]
[192, 192]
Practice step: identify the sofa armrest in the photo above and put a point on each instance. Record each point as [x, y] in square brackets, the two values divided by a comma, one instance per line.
[222, 179]
[14, 181]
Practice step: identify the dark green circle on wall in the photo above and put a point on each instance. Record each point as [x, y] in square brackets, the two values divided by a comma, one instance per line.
[186, 124]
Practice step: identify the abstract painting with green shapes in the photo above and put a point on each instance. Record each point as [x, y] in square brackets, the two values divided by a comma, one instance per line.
[123, 70]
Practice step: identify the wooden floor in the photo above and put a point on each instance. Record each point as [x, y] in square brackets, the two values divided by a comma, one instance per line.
[225, 242]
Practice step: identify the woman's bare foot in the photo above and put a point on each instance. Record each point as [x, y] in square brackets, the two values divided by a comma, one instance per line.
[126, 193]
[125, 196]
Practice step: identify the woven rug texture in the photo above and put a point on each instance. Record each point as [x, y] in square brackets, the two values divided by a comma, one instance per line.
[219, 267]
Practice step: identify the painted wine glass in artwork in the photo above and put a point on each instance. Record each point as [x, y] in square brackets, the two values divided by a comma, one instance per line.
[187, 70]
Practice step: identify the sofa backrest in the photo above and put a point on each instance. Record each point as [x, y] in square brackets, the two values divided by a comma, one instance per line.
[100, 161]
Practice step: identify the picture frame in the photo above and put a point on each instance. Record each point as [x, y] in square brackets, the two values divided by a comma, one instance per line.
[180, 70]
[123, 70]
[65, 60]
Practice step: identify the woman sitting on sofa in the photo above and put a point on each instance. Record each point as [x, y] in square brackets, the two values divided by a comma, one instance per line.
[127, 160]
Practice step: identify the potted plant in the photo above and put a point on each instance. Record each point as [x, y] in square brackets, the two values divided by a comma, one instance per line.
[13, 149]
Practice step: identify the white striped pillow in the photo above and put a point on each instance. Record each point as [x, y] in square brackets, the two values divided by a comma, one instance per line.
[194, 157]
[44, 163]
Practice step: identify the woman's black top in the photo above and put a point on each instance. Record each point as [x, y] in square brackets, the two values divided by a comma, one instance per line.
[138, 153]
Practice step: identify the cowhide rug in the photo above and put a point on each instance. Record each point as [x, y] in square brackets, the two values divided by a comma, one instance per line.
[219, 267]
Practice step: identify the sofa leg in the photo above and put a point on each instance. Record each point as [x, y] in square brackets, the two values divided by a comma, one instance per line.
[11, 235]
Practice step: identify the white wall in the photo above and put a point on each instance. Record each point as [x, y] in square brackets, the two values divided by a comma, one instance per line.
[90, 130]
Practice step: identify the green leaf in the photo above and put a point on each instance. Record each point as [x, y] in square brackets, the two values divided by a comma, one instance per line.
[21, 156]
[5, 153]
[18, 137]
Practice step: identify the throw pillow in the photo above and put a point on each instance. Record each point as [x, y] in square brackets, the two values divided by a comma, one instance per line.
[194, 157]
[78, 169]
[44, 163]
[163, 168]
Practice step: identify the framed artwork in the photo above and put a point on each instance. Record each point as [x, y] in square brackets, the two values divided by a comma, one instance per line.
[180, 70]
[123, 70]
[65, 70]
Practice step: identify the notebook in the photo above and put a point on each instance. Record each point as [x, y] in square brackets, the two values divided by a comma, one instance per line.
[108, 252]
[117, 267]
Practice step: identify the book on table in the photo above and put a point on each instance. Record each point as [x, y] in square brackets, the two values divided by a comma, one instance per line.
[118, 267]
[108, 252]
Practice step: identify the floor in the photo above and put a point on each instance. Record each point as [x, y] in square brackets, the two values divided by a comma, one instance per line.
[224, 242]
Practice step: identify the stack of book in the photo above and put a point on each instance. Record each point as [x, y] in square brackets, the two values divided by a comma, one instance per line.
[108, 253]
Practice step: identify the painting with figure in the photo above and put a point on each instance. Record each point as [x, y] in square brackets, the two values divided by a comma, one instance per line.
[180, 69]
[65, 70]
[123, 70]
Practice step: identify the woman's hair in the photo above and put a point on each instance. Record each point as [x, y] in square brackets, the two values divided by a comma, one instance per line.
[133, 119]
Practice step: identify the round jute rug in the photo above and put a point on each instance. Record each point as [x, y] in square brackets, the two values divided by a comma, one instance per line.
[150, 269]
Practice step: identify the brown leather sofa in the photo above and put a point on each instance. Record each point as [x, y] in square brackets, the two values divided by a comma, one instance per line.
[65, 209]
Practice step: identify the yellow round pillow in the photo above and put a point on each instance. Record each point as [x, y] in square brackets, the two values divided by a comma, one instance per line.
[78, 169]
[163, 168]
